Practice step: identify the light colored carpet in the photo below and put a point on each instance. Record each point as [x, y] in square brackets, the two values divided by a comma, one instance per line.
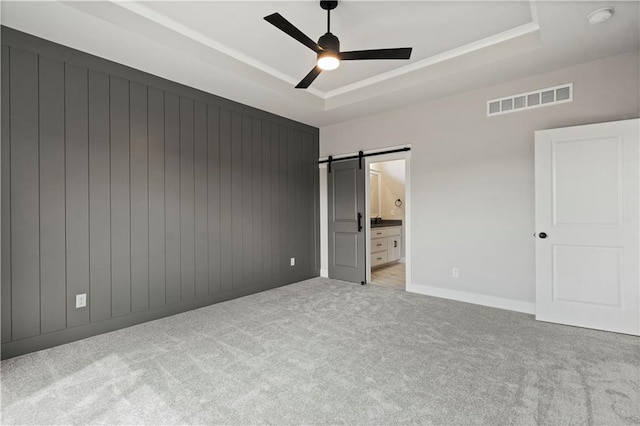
[329, 352]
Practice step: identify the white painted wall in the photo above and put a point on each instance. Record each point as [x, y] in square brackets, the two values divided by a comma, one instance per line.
[472, 190]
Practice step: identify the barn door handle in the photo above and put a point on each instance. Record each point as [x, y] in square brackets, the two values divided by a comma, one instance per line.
[359, 222]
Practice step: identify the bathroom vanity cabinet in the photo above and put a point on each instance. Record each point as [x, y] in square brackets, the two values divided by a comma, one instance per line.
[385, 245]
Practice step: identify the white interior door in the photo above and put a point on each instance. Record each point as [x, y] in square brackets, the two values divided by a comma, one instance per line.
[587, 226]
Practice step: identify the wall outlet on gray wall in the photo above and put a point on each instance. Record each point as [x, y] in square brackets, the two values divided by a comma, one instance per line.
[455, 272]
[81, 300]
[293, 261]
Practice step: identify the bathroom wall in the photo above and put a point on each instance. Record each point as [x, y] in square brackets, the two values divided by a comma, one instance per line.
[392, 188]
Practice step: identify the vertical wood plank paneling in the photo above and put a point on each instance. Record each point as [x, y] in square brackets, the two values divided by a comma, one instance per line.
[256, 150]
[172, 196]
[213, 197]
[265, 146]
[52, 196]
[308, 167]
[201, 182]
[5, 193]
[285, 212]
[275, 201]
[247, 203]
[120, 199]
[304, 206]
[139, 198]
[226, 232]
[301, 242]
[236, 198]
[315, 154]
[25, 221]
[291, 185]
[296, 241]
[99, 198]
[187, 217]
[156, 198]
[77, 187]
[315, 202]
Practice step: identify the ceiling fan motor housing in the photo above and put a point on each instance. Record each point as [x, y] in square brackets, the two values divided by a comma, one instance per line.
[328, 5]
[329, 42]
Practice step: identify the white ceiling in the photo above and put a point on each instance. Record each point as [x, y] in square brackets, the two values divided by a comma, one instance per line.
[226, 48]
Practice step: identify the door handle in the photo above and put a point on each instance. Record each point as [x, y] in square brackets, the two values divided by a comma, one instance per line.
[395, 243]
[359, 222]
[542, 235]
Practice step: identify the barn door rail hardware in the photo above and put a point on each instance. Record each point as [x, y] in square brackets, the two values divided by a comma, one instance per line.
[331, 159]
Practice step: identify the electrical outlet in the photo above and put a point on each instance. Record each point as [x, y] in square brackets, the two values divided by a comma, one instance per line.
[293, 261]
[455, 272]
[81, 300]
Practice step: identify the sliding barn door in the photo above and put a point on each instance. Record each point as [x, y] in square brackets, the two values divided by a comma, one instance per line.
[587, 258]
[345, 187]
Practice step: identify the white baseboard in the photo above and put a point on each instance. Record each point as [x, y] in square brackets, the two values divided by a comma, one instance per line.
[477, 299]
[324, 273]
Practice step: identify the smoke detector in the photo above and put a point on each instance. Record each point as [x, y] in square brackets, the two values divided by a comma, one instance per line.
[598, 16]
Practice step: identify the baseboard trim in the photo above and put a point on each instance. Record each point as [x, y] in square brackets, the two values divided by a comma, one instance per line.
[324, 273]
[475, 298]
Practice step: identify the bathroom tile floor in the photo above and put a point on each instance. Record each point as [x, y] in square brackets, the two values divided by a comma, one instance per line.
[391, 276]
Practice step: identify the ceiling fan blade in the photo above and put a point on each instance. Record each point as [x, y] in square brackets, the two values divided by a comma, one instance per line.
[306, 82]
[278, 21]
[399, 53]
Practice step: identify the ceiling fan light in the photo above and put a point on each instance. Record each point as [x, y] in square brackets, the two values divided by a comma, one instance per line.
[328, 61]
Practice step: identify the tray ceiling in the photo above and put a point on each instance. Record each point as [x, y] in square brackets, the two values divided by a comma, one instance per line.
[228, 49]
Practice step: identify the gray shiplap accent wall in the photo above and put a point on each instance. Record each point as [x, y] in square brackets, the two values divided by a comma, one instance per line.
[150, 197]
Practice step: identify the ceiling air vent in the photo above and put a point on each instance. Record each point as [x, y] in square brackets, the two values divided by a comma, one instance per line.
[539, 98]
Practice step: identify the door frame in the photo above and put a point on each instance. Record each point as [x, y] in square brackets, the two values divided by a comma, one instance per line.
[403, 155]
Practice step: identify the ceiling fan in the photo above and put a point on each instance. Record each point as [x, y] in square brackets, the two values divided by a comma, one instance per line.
[328, 46]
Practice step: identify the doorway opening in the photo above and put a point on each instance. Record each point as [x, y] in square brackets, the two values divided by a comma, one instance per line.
[345, 216]
[387, 221]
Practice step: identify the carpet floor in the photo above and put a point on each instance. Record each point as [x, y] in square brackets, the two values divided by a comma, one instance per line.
[328, 352]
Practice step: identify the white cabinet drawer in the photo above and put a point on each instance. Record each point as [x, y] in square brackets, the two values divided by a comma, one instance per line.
[378, 258]
[379, 244]
[387, 231]
[378, 232]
